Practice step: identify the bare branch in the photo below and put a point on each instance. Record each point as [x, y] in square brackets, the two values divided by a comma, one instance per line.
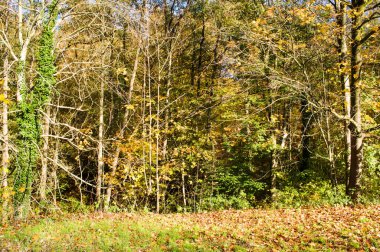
[369, 34]
[67, 170]
[377, 127]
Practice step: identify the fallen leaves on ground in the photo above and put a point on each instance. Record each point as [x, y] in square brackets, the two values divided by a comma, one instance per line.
[310, 229]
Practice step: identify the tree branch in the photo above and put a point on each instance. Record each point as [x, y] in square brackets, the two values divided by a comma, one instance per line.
[377, 127]
[373, 16]
[66, 169]
[369, 34]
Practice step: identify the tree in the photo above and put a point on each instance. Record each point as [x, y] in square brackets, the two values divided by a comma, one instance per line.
[359, 18]
[32, 100]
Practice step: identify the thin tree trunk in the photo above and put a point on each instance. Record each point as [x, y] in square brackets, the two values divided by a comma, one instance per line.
[143, 105]
[183, 188]
[45, 153]
[54, 173]
[193, 59]
[100, 172]
[331, 154]
[22, 57]
[305, 138]
[150, 125]
[158, 129]
[200, 57]
[167, 110]
[5, 154]
[274, 152]
[158, 151]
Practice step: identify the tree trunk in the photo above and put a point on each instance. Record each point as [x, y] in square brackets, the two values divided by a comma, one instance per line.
[355, 89]
[45, 153]
[5, 154]
[345, 82]
[200, 57]
[305, 138]
[54, 173]
[183, 182]
[331, 154]
[99, 180]
[158, 132]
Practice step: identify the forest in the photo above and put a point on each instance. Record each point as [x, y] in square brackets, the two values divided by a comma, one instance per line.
[188, 106]
[190, 125]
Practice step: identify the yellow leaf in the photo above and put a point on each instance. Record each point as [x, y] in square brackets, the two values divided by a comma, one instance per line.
[35, 237]
[3, 99]
[122, 71]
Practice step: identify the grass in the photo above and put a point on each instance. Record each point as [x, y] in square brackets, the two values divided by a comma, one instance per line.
[312, 229]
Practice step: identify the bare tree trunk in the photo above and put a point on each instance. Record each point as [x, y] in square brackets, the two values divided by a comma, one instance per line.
[167, 110]
[356, 123]
[5, 154]
[144, 134]
[193, 59]
[331, 154]
[200, 57]
[54, 173]
[183, 187]
[148, 68]
[305, 137]
[22, 57]
[150, 126]
[99, 180]
[158, 131]
[274, 152]
[45, 153]
[345, 82]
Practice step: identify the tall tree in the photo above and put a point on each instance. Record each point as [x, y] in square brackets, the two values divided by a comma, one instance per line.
[359, 35]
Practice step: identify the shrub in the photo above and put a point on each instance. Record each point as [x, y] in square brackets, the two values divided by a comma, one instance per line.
[311, 194]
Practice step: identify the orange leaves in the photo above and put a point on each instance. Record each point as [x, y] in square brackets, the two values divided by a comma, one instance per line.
[304, 15]
[306, 229]
[286, 228]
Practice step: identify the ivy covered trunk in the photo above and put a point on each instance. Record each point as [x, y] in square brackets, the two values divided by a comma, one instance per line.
[26, 158]
[28, 117]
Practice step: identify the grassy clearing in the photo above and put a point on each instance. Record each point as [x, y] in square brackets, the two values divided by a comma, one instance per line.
[316, 229]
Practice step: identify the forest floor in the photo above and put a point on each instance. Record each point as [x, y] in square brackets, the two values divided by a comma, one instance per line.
[304, 229]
